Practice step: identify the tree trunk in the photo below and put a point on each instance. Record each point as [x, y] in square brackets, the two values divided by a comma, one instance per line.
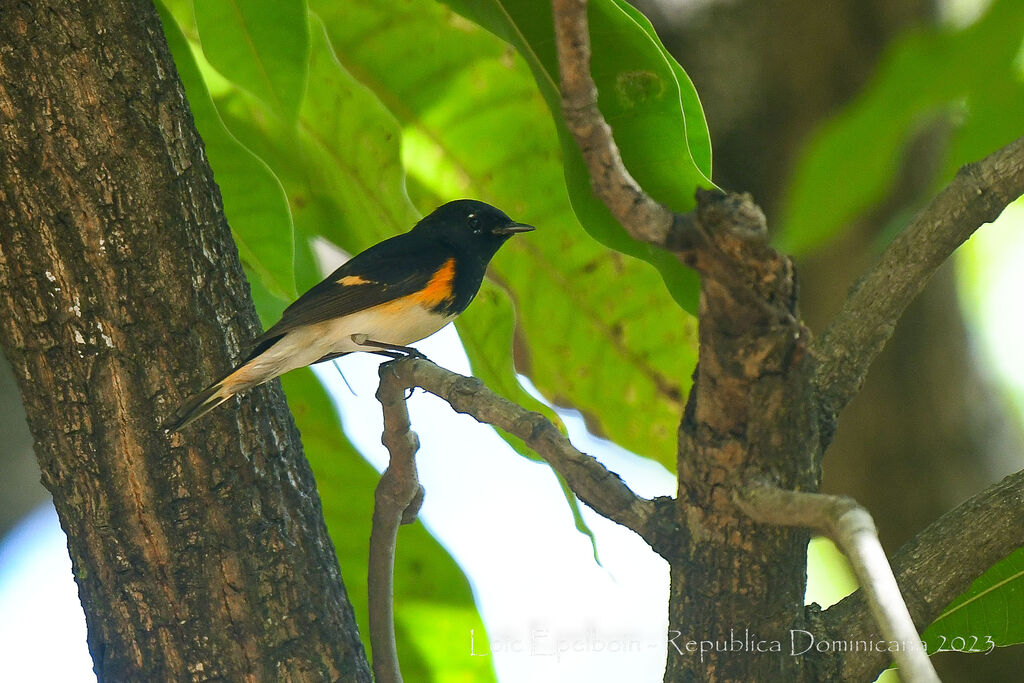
[735, 584]
[198, 556]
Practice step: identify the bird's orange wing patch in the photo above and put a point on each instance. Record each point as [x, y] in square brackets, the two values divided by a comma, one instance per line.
[354, 280]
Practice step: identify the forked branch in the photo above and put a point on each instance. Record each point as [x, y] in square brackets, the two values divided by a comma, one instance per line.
[936, 566]
[732, 260]
[852, 529]
[594, 484]
[396, 502]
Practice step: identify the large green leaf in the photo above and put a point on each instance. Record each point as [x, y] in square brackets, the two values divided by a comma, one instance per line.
[645, 96]
[851, 161]
[261, 46]
[987, 614]
[254, 201]
[597, 329]
[339, 161]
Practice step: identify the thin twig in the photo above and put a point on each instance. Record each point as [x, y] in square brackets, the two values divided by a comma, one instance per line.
[937, 565]
[641, 216]
[396, 502]
[595, 485]
[977, 195]
[851, 527]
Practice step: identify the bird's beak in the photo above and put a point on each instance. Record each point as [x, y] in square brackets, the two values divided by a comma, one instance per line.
[512, 228]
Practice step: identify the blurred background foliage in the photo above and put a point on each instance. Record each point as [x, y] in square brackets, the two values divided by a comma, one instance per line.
[346, 121]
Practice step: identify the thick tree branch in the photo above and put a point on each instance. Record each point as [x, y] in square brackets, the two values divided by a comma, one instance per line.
[977, 195]
[852, 529]
[936, 566]
[396, 501]
[595, 485]
[641, 216]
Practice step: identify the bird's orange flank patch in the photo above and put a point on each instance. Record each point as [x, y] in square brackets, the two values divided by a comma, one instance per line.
[439, 288]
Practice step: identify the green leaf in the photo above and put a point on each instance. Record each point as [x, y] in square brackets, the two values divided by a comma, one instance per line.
[987, 614]
[595, 330]
[647, 99]
[254, 201]
[577, 516]
[340, 162]
[456, 654]
[260, 46]
[849, 164]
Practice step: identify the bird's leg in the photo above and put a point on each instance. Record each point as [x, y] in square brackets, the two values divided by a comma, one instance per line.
[385, 349]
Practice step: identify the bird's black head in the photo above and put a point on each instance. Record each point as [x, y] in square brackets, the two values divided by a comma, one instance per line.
[467, 224]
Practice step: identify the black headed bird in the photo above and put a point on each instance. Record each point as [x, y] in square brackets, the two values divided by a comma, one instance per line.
[391, 295]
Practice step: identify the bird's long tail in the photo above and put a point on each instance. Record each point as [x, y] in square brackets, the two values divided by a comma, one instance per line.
[210, 397]
[248, 374]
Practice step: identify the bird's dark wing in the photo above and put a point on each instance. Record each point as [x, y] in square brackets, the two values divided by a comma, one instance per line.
[386, 271]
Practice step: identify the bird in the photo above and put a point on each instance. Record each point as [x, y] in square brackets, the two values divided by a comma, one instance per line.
[392, 294]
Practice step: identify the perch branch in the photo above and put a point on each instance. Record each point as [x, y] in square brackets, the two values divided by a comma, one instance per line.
[595, 485]
[396, 502]
[977, 195]
[641, 216]
[851, 527]
[936, 566]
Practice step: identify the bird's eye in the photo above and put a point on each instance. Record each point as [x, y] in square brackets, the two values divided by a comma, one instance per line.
[474, 224]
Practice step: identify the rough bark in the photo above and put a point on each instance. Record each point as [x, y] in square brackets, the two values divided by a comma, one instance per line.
[198, 556]
[751, 411]
[747, 417]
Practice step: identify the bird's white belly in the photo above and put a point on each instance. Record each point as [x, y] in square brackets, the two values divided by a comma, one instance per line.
[391, 325]
[385, 323]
